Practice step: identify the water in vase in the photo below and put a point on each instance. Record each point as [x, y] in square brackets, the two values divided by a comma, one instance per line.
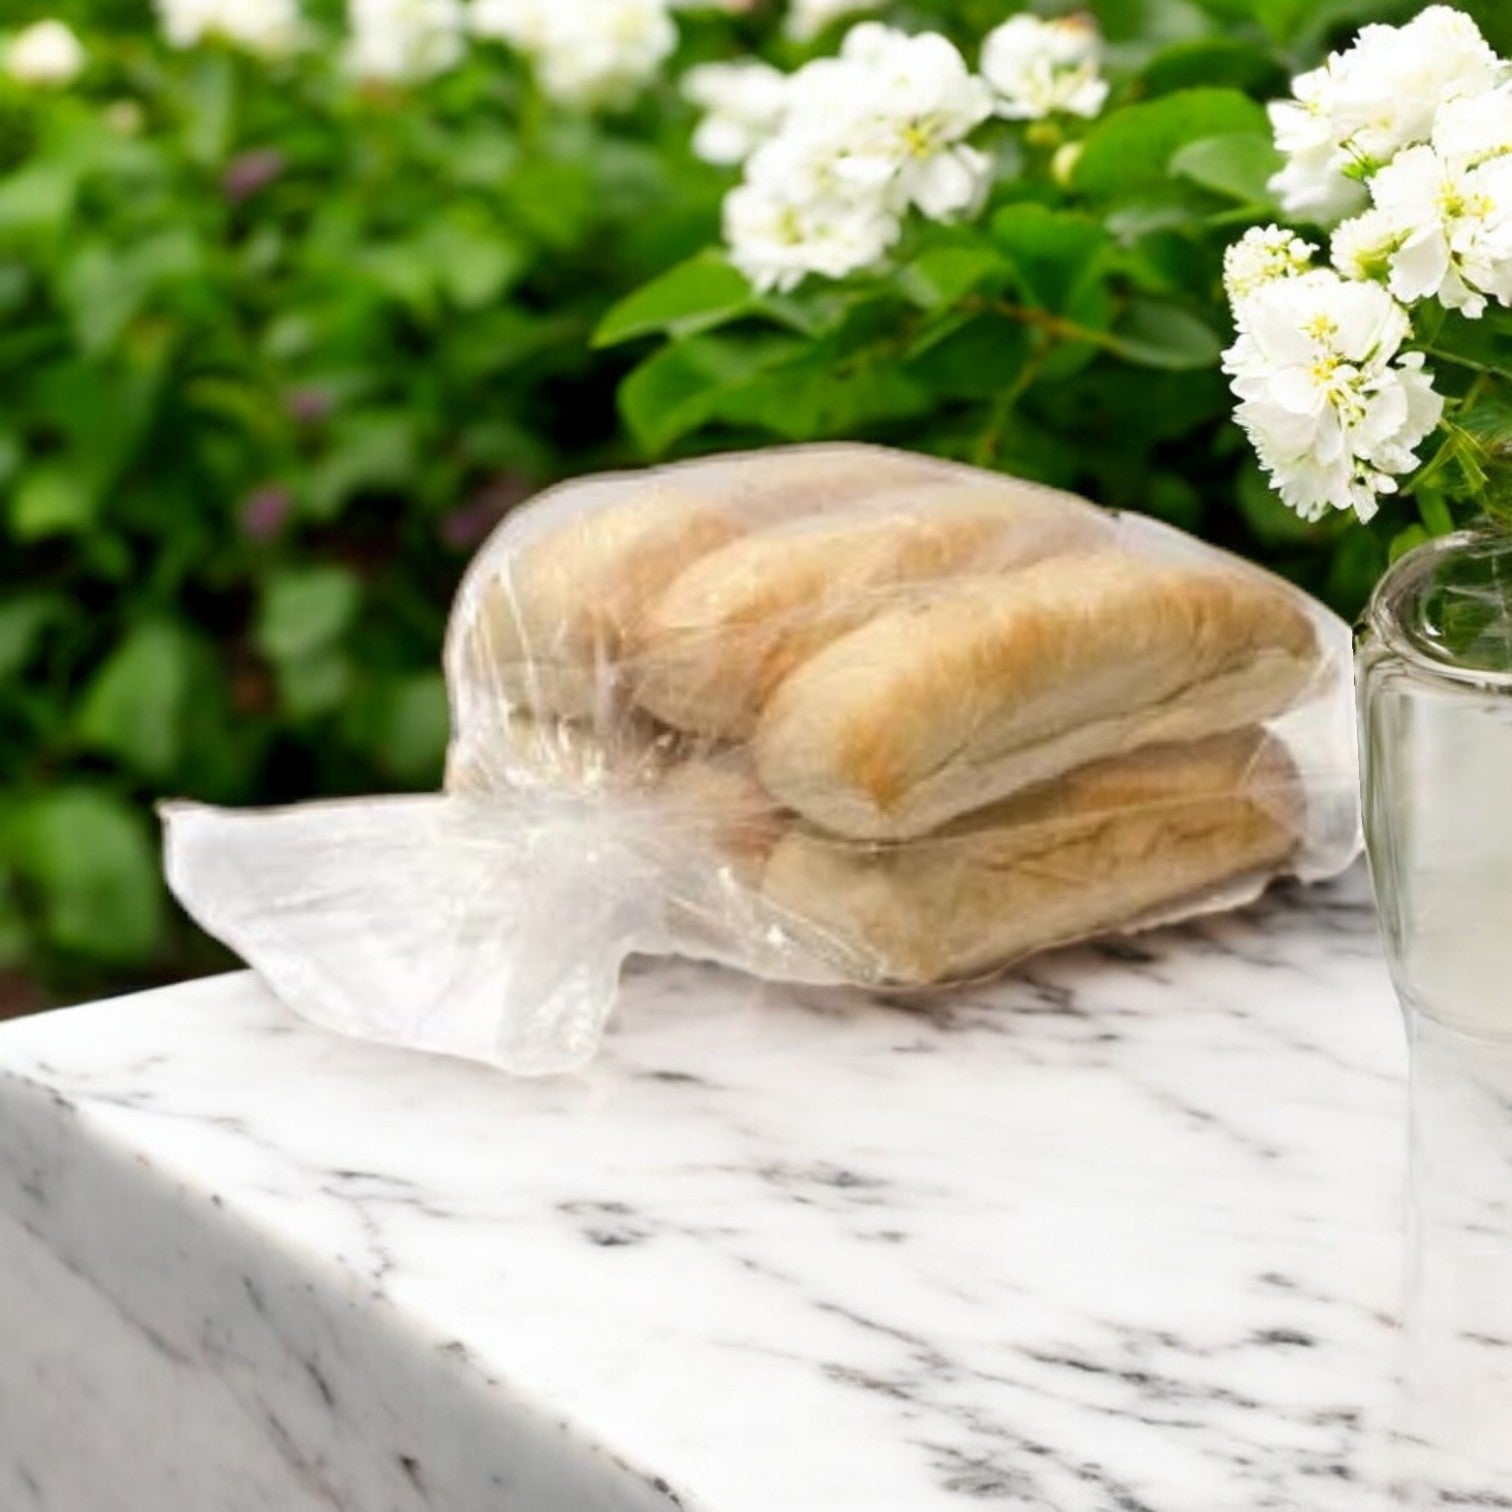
[1436, 726]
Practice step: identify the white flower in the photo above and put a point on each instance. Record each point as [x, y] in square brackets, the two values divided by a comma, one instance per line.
[807, 18]
[586, 53]
[1474, 128]
[1352, 115]
[861, 139]
[744, 104]
[47, 52]
[1333, 407]
[404, 41]
[911, 102]
[520, 23]
[1364, 246]
[1039, 68]
[776, 241]
[1263, 253]
[269, 28]
[1453, 225]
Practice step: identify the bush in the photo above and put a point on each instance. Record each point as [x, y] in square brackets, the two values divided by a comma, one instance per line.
[277, 349]
[275, 353]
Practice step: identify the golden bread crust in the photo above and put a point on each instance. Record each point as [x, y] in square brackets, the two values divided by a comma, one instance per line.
[986, 685]
[1093, 851]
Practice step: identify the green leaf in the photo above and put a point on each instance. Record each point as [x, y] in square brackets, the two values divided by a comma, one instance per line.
[211, 93]
[822, 394]
[37, 197]
[101, 293]
[555, 196]
[694, 296]
[1210, 61]
[1273, 524]
[92, 859]
[1238, 166]
[1359, 559]
[1057, 254]
[1164, 336]
[1433, 511]
[680, 388]
[314, 684]
[1128, 152]
[15, 937]
[404, 274]
[474, 263]
[943, 276]
[375, 450]
[1305, 23]
[103, 286]
[53, 498]
[412, 729]
[24, 617]
[1407, 540]
[1170, 497]
[134, 708]
[305, 609]
[815, 310]
[978, 358]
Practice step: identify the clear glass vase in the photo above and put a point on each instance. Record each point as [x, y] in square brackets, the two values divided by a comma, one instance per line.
[1434, 677]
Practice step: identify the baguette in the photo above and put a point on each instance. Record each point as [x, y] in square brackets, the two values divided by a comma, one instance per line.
[987, 686]
[1099, 849]
[549, 628]
[731, 626]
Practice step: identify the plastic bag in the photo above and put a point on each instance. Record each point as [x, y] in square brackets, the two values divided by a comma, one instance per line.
[826, 714]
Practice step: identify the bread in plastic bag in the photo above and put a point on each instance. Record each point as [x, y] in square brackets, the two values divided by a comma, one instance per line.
[830, 714]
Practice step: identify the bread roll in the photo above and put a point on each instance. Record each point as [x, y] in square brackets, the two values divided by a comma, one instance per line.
[1095, 850]
[549, 629]
[717, 801]
[986, 686]
[730, 627]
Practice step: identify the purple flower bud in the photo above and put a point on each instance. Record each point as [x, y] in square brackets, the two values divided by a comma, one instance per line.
[252, 172]
[465, 526]
[309, 406]
[263, 512]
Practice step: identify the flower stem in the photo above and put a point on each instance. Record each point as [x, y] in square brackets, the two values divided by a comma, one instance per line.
[1485, 369]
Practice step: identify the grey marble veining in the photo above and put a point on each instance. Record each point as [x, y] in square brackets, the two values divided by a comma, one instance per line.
[1120, 1234]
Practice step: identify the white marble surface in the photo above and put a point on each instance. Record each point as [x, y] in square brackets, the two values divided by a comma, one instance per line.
[1119, 1235]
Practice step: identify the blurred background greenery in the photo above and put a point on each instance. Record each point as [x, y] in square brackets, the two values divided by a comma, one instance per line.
[279, 347]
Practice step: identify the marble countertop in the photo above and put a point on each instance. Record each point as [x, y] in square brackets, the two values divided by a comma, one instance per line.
[1118, 1235]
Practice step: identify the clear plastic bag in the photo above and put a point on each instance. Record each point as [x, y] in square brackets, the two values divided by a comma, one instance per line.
[828, 714]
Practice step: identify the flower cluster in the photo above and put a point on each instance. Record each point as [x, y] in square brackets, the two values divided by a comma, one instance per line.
[1038, 68]
[807, 19]
[1332, 404]
[839, 153]
[1415, 122]
[268, 28]
[1408, 133]
[586, 53]
[46, 53]
[1350, 117]
[404, 41]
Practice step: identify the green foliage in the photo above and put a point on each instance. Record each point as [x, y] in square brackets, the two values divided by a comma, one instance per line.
[277, 350]
[1072, 331]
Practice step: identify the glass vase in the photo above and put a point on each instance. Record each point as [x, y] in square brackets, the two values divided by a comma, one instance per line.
[1434, 678]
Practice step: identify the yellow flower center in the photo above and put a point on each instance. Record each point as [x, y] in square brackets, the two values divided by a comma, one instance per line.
[919, 138]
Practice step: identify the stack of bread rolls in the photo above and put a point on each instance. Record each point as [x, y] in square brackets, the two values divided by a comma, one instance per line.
[929, 719]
